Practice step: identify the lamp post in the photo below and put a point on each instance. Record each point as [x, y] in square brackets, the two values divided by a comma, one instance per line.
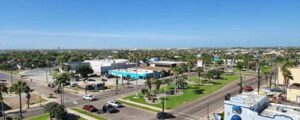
[241, 83]
[137, 78]
[258, 71]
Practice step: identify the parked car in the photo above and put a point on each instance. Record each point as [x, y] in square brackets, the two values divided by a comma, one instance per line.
[164, 115]
[88, 97]
[248, 88]
[109, 108]
[51, 85]
[90, 108]
[115, 103]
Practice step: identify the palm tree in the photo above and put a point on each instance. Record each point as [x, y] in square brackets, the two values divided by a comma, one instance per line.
[28, 90]
[60, 80]
[18, 88]
[266, 73]
[176, 72]
[182, 81]
[148, 83]
[209, 76]
[3, 89]
[240, 68]
[157, 83]
[117, 84]
[287, 75]
[104, 80]
[200, 74]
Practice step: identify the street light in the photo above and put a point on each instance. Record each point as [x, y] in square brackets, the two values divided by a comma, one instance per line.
[136, 80]
[258, 71]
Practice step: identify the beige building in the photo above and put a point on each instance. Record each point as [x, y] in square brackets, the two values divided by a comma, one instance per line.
[296, 75]
[293, 93]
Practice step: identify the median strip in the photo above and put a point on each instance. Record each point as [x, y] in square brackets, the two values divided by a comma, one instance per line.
[139, 105]
[85, 114]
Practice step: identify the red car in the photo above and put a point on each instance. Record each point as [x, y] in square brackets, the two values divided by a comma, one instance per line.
[248, 88]
[90, 108]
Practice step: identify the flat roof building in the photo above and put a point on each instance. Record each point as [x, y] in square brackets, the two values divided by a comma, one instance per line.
[251, 106]
[104, 65]
[169, 64]
[293, 93]
[133, 73]
[295, 73]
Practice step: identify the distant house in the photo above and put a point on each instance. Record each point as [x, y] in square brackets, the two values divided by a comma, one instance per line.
[200, 63]
[168, 64]
[155, 59]
[216, 58]
[293, 93]
[103, 66]
[73, 66]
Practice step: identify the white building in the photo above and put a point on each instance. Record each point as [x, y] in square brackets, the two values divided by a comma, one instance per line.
[103, 66]
[200, 63]
[250, 106]
[165, 63]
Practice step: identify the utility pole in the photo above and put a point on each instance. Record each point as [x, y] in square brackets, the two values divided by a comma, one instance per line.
[258, 72]
[117, 84]
[207, 111]
[137, 78]
[163, 110]
[11, 76]
[46, 75]
[241, 83]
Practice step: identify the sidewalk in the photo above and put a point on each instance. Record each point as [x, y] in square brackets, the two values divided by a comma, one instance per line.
[80, 114]
[36, 105]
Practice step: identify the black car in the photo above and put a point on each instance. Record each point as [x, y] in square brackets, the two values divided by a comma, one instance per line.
[164, 115]
[109, 108]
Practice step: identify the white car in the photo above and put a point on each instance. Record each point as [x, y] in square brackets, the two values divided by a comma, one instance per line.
[114, 103]
[88, 97]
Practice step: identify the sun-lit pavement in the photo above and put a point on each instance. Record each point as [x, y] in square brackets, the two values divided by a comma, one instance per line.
[198, 110]
[103, 97]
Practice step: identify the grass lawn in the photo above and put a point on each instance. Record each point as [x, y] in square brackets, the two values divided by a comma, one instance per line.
[44, 116]
[189, 94]
[39, 117]
[88, 113]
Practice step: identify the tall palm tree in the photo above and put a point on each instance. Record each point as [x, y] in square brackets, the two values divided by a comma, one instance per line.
[200, 74]
[18, 88]
[209, 76]
[287, 75]
[60, 80]
[103, 81]
[28, 90]
[176, 72]
[157, 83]
[3, 89]
[182, 81]
[148, 83]
[117, 84]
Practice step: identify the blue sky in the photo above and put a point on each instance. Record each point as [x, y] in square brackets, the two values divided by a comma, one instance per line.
[148, 23]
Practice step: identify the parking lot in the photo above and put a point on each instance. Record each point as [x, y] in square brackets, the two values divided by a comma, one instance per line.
[125, 113]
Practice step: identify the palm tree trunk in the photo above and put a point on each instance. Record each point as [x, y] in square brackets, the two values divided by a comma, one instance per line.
[61, 101]
[2, 108]
[63, 95]
[20, 102]
[270, 80]
[28, 102]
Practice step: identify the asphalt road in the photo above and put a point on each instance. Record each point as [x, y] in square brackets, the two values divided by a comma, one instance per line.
[198, 110]
[72, 100]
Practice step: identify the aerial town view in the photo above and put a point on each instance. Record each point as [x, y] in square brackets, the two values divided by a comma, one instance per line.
[149, 60]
